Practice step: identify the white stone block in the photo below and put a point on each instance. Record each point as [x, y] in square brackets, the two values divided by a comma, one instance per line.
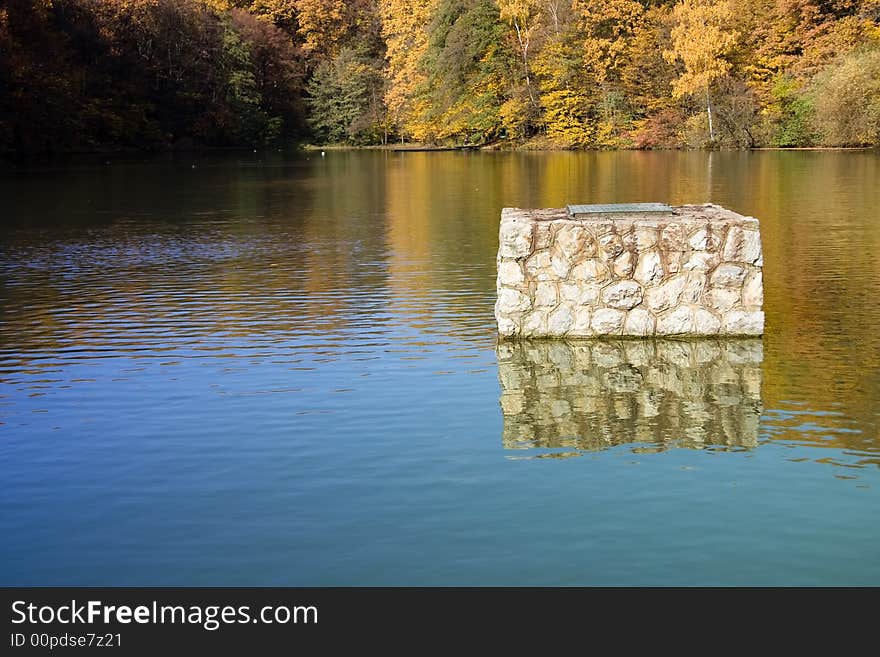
[512, 301]
[696, 271]
[638, 322]
[539, 267]
[623, 265]
[581, 325]
[753, 290]
[515, 238]
[623, 295]
[607, 321]
[743, 322]
[510, 273]
[728, 275]
[546, 294]
[705, 323]
[649, 268]
[590, 271]
[667, 294]
[704, 240]
[560, 321]
[741, 245]
[679, 321]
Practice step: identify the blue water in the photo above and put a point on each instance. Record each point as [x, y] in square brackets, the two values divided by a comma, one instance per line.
[283, 371]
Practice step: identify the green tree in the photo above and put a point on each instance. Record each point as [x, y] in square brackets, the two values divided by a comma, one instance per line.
[468, 71]
[790, 113]
[344, 99]
[249, 123]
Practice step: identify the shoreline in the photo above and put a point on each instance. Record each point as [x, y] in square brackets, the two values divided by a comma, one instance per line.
[524, 148]
[13, 161]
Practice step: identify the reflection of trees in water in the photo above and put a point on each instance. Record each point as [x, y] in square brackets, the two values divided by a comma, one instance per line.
[262, 249]
[595, 394]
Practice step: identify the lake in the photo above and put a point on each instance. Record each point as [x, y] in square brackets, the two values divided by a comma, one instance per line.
[282, 370]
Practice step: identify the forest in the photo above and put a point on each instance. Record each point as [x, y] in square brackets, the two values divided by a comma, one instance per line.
[95, 75]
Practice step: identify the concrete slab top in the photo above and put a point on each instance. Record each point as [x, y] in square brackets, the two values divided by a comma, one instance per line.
[577, 211]
[626, 212]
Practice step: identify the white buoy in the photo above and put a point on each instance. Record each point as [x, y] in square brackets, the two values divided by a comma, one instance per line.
[322, 153]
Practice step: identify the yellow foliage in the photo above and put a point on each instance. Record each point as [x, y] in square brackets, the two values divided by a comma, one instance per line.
[217, 5]
[605, 135]
[549, 66]
[279, 12]
[322, 25]
[514, 114]
[608, 26]
[404, 29]
[566, 118]
[701, 39]
[519, 10]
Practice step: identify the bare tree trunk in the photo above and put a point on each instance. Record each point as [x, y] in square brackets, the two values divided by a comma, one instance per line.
[709, 112]
[524, 48]
[553, 6]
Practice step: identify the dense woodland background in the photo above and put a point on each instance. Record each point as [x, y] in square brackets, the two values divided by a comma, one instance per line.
[79, 75]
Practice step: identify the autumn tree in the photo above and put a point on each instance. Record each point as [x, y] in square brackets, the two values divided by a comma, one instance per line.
[566, 99]
[701, 39]
[643, 74]
[278, 71]
[608, 27]
[281, 13]
[847, 99]
[326, 26]
[405, 32]
[149, 74]
[525, 17]
[467, 71]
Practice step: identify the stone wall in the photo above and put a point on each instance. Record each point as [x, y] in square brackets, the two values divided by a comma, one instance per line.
[695, 271]
[589, 395]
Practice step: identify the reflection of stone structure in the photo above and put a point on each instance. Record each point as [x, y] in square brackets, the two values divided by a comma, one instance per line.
[690, 270]
[595, 394]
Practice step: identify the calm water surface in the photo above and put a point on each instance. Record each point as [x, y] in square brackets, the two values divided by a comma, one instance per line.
[251, 370]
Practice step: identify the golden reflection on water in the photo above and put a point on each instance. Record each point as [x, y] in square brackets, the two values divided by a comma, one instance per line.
[302, 351]
[309, 258]
[589, 394]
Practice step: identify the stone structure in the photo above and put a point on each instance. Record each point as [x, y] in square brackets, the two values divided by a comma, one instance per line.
[691, 270]
[589, 395]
